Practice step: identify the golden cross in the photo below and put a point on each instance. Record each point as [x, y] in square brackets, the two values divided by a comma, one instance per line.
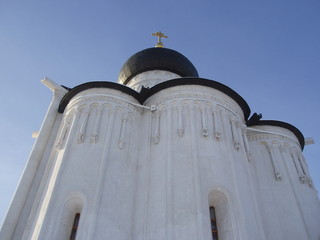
[159, 35]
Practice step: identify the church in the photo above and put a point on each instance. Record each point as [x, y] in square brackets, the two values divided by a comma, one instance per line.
[162, 154]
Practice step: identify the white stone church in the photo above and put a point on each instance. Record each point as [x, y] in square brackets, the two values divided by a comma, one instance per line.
[162, 155]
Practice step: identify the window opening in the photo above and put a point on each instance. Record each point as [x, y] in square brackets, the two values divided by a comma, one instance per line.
[75, 227]
[213, 220]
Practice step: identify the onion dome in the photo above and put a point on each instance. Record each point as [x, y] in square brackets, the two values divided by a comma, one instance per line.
[156, 59]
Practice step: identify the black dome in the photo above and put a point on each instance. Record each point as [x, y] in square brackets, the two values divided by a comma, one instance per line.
[156, 59]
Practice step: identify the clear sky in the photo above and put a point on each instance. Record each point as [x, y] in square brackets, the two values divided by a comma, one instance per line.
[267, 51]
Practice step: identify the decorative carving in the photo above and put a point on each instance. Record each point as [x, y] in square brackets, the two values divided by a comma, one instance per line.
[207, 99]
[83, 126]
[204, 122]
[245, 141]
[283, 147]
[94, 135]
[309, 181]
[305, 167]
[123, 130]
[235, 136]
[180, 121]
[304, 175]
[297, 164]
[64, 132]
[156, 135]
[264, 136]
[217, 124]
[101, 99]
[274, 160]
[302, 179]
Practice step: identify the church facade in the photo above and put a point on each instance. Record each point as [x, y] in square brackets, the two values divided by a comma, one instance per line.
[162, 154]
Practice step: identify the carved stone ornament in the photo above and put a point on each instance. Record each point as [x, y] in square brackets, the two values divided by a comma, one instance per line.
[298, 166]
[156, 135]
[124, 120]
[217, 124]
[204, 122]
[274, 160]
[245, 141]
[180, 121]
[94, 135]
[235, 138]
[83, 127]
[66, 124]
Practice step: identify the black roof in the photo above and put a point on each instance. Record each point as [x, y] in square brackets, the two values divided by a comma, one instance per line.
[172, 61]
[148, 92]
[156, 59]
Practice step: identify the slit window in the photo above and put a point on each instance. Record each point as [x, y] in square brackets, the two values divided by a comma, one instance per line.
[75, 227]
[213, 220]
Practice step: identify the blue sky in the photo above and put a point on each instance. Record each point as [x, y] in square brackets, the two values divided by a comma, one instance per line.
[267, 51]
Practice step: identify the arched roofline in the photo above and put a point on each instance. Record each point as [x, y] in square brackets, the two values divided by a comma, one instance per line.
[148, 92]
[102, 84]
[288, 126]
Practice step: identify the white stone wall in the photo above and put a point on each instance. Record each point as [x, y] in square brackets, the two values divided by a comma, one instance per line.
[136, 173]
[151, 78]
[92, 170]
[289, 205]
[195, 156]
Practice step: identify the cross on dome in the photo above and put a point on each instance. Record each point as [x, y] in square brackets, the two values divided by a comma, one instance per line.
[159, 35]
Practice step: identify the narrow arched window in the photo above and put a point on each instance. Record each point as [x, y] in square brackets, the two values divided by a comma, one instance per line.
[75, 227]
[213, 220]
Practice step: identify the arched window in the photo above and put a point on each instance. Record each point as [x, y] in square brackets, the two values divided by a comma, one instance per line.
[219, 214]
[75, 227]
[213, 220]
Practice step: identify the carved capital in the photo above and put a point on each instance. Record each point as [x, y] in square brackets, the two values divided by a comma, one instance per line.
[302, 178]
[80, 138]
[180, 132]
[94, 138]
